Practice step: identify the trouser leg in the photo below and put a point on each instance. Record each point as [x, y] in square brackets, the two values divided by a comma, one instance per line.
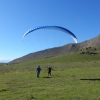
[38, 75]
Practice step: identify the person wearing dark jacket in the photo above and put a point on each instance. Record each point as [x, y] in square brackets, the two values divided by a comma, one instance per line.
[38, 69]
[49, 70]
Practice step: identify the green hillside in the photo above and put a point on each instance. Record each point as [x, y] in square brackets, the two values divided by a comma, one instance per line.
[75, 76]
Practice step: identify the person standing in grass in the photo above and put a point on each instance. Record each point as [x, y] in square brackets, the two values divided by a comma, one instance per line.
[49, 70]
[38, 70]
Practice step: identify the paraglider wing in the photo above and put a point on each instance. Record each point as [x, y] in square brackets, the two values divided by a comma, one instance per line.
[52, 27]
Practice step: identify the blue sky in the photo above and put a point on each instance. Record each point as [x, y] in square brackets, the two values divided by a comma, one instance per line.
[82, 17]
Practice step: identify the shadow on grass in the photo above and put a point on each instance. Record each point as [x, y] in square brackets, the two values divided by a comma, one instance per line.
[47, 77]
[2, 90]
[95, 79]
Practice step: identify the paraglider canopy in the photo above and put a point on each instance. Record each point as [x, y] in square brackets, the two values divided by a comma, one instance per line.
[53, 27]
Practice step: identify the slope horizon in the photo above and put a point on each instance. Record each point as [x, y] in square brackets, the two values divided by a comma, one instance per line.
[68, 48]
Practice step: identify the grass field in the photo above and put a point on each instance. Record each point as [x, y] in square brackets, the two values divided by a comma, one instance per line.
[75, 77]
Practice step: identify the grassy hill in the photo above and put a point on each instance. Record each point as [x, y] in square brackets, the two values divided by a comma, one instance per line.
[75, 77]
[75, 74]
[90, 46]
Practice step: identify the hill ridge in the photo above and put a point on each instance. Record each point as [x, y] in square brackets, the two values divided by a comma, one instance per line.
[68, 48]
